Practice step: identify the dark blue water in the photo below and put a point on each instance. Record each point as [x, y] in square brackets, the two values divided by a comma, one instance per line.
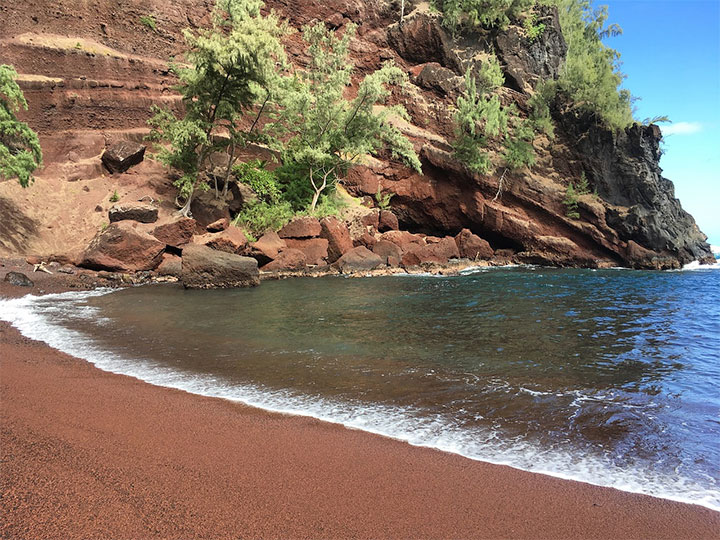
[610, 377]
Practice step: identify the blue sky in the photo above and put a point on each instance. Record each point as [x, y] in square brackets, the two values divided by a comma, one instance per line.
[670, 51]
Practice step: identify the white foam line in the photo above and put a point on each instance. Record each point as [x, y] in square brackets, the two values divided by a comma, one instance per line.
[436, 432]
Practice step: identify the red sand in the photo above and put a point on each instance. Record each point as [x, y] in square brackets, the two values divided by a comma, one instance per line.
[87, 454]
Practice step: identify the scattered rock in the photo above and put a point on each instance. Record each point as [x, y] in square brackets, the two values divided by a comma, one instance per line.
[338, 236]
[440, 253]
[123, 155]
[33, 259]
[359, 259]
[387, 250]
[67, 269]
[388, 221]
[367, 240]
[176, 233]
[171, 265]
[267, 247]
[289, 259]
[18, 279]
[219, 225]
[232, 240]
[144, 213]
[206, 208]
[472, 247]
[122, 248]
[302, 227]
[315, 249]
[206, 268]
[371, 220]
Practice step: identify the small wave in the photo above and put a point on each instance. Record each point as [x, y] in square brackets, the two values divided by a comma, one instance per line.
[695, 265]
[34, 318]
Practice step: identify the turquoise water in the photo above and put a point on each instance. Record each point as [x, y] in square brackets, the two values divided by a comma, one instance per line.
[609, 377]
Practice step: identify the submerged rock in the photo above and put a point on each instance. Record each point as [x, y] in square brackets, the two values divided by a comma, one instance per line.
[206, 268]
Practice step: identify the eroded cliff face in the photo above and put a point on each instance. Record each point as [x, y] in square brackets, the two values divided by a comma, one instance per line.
[91, 72]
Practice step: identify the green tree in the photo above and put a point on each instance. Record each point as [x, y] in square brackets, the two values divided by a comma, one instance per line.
[485, 13]
[20, 152]
[319, 132]
[234, 65]
[571, 202]
[591, 76]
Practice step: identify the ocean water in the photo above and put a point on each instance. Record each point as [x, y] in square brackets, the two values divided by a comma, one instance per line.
[611, 377]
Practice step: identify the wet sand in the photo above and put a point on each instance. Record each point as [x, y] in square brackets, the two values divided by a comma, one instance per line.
[88, 454]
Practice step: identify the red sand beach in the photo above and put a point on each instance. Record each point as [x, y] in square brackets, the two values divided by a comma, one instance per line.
[88, 454]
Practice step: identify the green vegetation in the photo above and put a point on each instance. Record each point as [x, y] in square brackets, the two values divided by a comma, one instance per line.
[20, 152]
[383, 200]
[148, 21]
[234, 64]
[319, 133]
[583, 188]
[591, 76]
[533, 29]
[459, 14]
[571, 202]
[115, 197]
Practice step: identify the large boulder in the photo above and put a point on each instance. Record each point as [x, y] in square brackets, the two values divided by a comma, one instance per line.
[359, 259]
[367, 240]
[122, 248]
[471, 246]
[337, 234]
[206, 208]
[267, 248]
[315, 249]
[371, 219]
[302, 227]
[231, 240]
[440, 252]
[404, 239]
[388, 221]
[123, 155]
[142, 212]
[18, 279]
[171, 265]
[206, 268]
[176, 233]
[387, 250]
[219, 225]
[290, 260]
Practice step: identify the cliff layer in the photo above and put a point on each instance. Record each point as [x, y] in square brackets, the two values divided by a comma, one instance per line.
[91, 71]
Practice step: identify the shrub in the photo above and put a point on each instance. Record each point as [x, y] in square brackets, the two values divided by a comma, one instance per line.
[383, 200]
[115, 197]
[263, 182]
[260, 216]
[148, 21]
[571, 202]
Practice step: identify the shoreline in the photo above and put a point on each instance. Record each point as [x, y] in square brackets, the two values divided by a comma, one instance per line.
[407, 491]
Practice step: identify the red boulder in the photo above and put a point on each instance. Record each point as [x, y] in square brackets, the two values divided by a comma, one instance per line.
[338, 236]
[302, 227]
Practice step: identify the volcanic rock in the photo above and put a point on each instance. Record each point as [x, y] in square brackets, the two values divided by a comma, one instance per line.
[267, 247]
[206, 268]
[440, 252]
[315, 249]
[302, 227]
[367, 240]
[171, 265]
[176, 233]
[122, 248]
[387, 250]
[338, 236]
[207, 209]
[219, 225]
[289, 259]
[388, 221]
[18, 279]
[123, 155]
[141, 212]
[472, 247]
[231, 240]
[359, 259]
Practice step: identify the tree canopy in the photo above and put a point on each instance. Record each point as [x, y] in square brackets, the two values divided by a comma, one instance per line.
[20, 152]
